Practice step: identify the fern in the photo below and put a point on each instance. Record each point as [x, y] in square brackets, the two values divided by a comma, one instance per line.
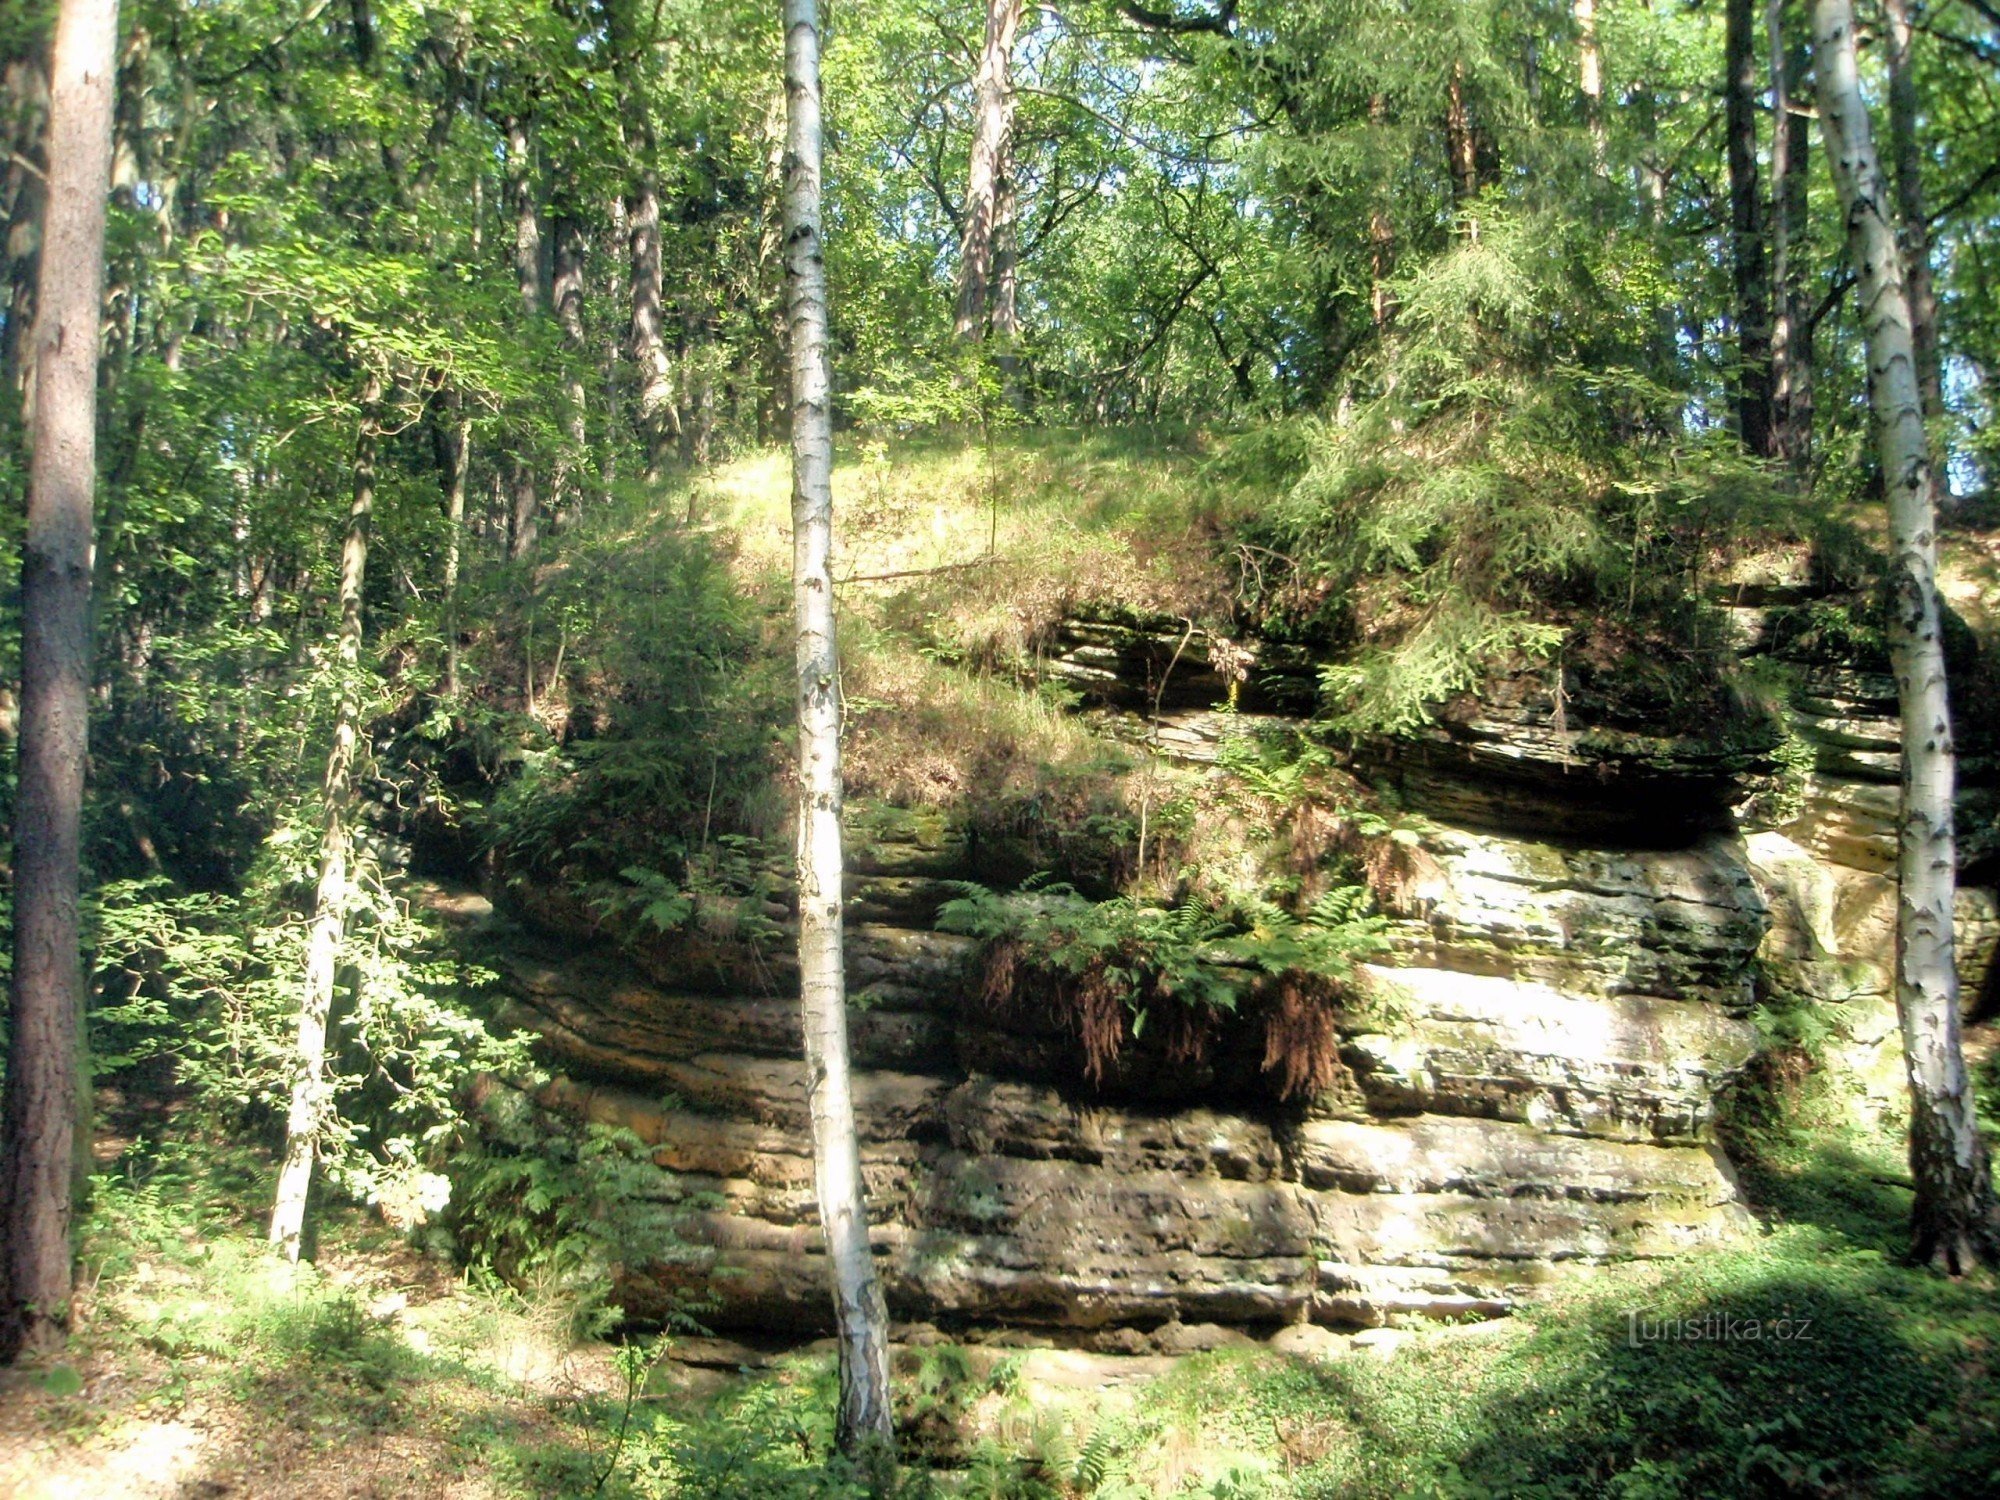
[1109, 968]
[1097, 1462]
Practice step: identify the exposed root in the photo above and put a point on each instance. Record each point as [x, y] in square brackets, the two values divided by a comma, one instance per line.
[1301, 1040]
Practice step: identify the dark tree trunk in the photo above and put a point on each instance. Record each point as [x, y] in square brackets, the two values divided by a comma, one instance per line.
[659, 416]
[1791, 314]
[989, 171]
[774, 409]
[24, 94]
[38, 1120]
[523, 500]
[1461, 146]
[1741, 86]
[527, 220]
[1590, 78]
[568, 296]
[1381, 237]
[1006, 298]
[452, 439]
[611, 354]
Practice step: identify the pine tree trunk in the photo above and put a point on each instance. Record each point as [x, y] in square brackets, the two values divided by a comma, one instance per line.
[1460, 144]
[611, 361]
[38, 1120]
[645, 340]
[455, 459]
[523, 499]
[659, 417]
[1381, 235]
[310, 1099]
[1913, 226]
[992, 121]
[1791, 326]
[773, 410]
[1741, 85]
[1954, 1223]
[1590, 77]
[568, 297]
[857, 1296]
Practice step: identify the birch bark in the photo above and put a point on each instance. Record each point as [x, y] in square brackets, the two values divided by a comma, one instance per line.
[863, 1423]
[306, 1121]
[1953, 1221]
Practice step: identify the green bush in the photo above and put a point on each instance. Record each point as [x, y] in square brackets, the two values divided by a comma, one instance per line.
[564, 1213]
[199, 992]
[677, 696]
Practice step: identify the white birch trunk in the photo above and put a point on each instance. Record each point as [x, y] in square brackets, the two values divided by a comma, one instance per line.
[306, 1120]
[1953, 1221]
[857, 1296]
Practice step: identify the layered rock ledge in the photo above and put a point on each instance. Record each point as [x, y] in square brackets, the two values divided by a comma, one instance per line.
[1566, 1000]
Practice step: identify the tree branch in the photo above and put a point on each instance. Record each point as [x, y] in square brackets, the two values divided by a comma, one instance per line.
[1988, 175]
[1219, 22]
[1841, 285]
[1986, 9]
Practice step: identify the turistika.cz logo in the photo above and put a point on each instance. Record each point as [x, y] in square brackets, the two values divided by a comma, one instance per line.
[1714, 1328]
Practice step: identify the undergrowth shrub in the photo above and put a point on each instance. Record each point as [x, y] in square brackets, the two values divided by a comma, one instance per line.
[564, 1212]
[1105, 972]
[196, 999]
[672, 701]
[1325, 828]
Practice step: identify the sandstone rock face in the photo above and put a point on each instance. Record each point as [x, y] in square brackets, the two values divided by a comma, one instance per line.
[1566, 999]
[1516, 760]
[1684, 923]
[1543, 1096]
[1625, 1068]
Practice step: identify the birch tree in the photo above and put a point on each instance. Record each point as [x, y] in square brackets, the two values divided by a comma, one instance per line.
[310, 1102]
[1913, 225]
[863, 1422]
[1954, 1223]
[43, 1090]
